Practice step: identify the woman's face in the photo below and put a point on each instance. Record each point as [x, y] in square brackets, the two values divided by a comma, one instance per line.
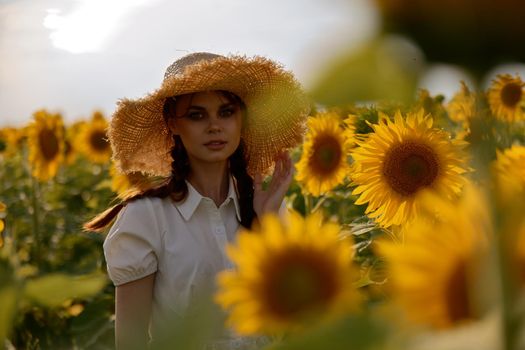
[208, 124]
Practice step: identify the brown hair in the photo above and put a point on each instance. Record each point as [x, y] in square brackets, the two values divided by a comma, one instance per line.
[175, 186]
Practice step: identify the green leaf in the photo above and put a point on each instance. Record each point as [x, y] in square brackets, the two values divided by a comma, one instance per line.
[358, 332]
[53, 289]
[8, 304]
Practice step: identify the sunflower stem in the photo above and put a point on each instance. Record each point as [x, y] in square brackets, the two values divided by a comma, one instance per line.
[36, 218]
[505, 287]
[307, 204]
[318, 204]
[503, 226]
[500, 220]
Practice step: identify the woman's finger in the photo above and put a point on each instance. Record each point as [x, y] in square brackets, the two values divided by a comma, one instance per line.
[288, 163]
[278, 166]
[257, 182]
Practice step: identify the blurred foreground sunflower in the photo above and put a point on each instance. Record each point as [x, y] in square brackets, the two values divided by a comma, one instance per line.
[323, 164]
[46, 144]
[510, 171]
[288, 276]
[506, 98]
[92, 139]
[435, 272]
[400, 159]
[509, 176]
[517, 252]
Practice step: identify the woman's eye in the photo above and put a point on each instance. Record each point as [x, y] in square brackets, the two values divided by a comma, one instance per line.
[227, 112]
[195, 115]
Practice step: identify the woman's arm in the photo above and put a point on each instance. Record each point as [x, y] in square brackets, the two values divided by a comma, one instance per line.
[133, 302]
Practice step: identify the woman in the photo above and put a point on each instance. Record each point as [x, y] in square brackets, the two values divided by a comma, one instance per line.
[213, 129]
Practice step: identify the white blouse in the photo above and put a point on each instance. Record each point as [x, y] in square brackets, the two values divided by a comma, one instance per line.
[182, 242]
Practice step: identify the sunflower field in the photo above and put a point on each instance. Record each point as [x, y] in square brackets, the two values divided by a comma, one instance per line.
[406, 225]
[406, 231]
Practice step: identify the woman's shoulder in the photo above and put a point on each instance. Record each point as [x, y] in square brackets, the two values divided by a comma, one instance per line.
[144, 211]
[150, 204]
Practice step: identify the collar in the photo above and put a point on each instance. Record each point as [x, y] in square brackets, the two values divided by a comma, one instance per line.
[191, 202]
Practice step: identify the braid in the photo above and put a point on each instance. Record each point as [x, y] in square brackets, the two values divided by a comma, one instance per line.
[180, 168]
[175, 187]
[238, 164]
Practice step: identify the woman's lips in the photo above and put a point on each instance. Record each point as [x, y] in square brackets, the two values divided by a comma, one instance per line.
[215, 145]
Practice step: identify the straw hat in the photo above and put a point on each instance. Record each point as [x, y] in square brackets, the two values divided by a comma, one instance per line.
[275, 103]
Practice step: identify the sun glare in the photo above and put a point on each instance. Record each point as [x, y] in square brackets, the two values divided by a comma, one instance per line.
[88, 26]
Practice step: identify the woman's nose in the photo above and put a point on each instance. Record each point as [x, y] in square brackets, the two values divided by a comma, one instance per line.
[214, 124]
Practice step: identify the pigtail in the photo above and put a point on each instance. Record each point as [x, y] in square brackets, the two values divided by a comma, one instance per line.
[175, 187]
[238, 166]
[99, 222]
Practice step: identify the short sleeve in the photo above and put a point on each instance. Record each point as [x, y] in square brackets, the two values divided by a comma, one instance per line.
[132, 243]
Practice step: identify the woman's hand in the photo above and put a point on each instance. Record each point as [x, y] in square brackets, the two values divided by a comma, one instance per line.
[271, 199]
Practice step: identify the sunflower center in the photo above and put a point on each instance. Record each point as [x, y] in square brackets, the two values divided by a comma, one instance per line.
[409, 166]
[511, 94]
[48, 143]
[98, 141]
[456, 294]
[326, 156]
[299, 281]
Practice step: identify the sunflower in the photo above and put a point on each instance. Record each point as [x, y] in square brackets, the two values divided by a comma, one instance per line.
[46, 144]
[72, 134]
[350, 128]
[125, 185]
[323, 164]
[2, 224]
[92, 139]
[462, 106]
[288, 276]
[119, 181]
[432, 105]
[3, 141]
[11, 141]
[510, 171]
[507, 98]
[509, 177]
[400, 159]
[433, 273]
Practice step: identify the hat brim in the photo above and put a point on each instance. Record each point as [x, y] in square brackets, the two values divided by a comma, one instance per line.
[276, 112]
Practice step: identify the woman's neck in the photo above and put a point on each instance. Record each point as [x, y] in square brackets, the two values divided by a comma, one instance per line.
[210, 180]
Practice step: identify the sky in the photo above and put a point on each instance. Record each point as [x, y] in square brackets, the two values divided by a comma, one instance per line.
[77, 56]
